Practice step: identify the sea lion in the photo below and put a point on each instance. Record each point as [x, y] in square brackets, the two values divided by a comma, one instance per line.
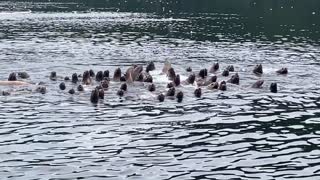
[258, 70]
[190, 80]
[171, 74]
[214, 68]
[105, 84]
[258, 84]
[23, 75]
[80, 88]
[67, 78]
[123, 79]
[176, 80]
[41, 89]
[235, 79]
[223, 86]
[12, 77]
[74, 78]
[198, 92]
[5, 93]
[86, 78]
[161, 97]
[282, 71]
[117, 74]
[150, 67]
[230, 68]
[53, 76]
[72, 91]
[124, 87]
[91, 72]
[225, 73]
[179, 96]
[134, 73]
[204, 82]
[203, 73]
[151, 87]
[171, 91]
[120, 92]
[274, 87]
[106, 74]
[166, 67]
[94, 97]
[214, 85]
[170, 85]
[148, 78]
[101, 93]
[62, 86]
[99, 76]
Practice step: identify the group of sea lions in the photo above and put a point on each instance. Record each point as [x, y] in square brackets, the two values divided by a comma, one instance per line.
[138, 73]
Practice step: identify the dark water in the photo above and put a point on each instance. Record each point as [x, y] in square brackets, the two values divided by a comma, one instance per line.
[242, 133]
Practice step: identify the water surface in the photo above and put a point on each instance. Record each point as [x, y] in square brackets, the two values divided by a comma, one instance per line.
[242, 133]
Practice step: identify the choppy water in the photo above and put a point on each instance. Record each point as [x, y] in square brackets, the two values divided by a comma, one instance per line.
[242, 133]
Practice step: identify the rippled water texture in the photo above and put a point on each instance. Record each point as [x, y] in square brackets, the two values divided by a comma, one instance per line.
[242, 133]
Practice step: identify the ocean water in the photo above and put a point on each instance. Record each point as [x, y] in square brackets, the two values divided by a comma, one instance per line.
[242, 133]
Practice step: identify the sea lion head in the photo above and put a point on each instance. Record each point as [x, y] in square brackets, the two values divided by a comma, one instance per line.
[150, 67]
[223, 86]
[151, 87]
[179, 96]
[12, 77]
[274, 87]
[99, 76]
[170, 85]
[124, 87]
[148, 78]
[23, 75]
[74, 78]
[171, 74]
[189, 69]
[225, 73]
[161, 97]
[230, 68]
[177, 80]
[258, 69]
[213, 79]
[120, 92]
[80, 88]
[214, 85]
[91, 72]
[105, 84]
[171, 91]
[123, 78]
[53, 76]
[214, 67]
[106, 74]
[86, 78]
[67, 78]
[191, 78]
[94, 98]
[283, 71]
[203, 73]
[235, 79]
[258, 84]
[62, 86]
[117, 74]
[198, 92]
[41, 89]
[72, 91]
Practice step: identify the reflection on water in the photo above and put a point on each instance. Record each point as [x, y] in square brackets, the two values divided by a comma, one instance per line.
[242, 133]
